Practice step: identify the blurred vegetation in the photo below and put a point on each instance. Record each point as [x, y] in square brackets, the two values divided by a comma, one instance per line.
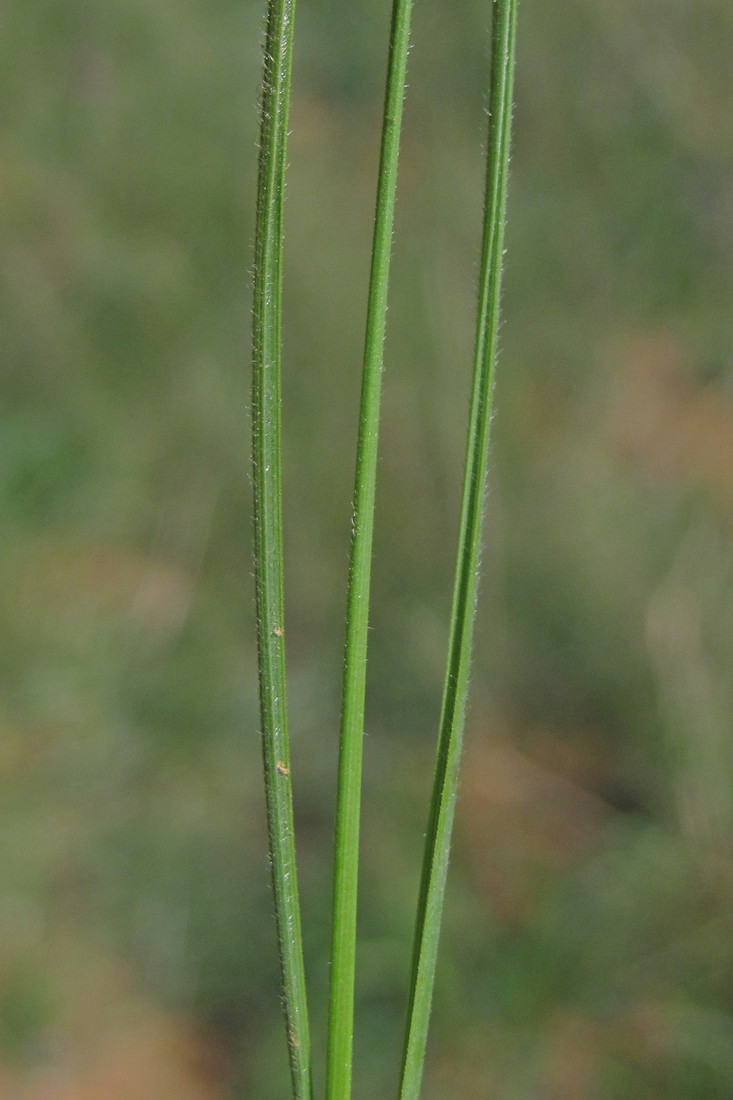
[588, 947]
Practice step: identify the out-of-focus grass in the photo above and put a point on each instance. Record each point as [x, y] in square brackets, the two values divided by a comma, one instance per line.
[587, 946]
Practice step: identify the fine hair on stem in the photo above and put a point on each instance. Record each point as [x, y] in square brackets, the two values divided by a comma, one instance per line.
[268, 536]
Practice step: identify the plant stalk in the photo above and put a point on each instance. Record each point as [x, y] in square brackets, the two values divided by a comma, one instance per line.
[452, 720]
[268, 539]
[346, 855]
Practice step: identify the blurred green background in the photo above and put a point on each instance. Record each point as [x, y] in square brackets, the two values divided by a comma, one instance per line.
[588, 943]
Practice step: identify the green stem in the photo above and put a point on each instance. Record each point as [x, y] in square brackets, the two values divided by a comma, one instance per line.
[442, 807]
[266, 460]
[346, 857]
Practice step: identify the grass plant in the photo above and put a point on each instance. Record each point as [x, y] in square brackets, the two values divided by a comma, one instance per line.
[269, 557]
[589, 911]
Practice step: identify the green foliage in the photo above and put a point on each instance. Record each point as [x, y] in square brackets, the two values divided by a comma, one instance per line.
[267, 450]
[130, 755]
[346, 858]
[268, 537]
[455, 690]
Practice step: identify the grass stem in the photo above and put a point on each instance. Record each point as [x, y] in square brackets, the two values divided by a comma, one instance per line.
[266, 460]
[346, 856]
[442, 807]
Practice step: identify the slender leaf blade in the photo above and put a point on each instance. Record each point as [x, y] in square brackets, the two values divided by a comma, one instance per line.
[442, 808]
[268, 540]
[346, 856]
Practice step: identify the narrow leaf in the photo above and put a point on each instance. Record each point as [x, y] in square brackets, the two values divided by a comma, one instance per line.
[438, 836]
[343, 941]
[266, 461]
